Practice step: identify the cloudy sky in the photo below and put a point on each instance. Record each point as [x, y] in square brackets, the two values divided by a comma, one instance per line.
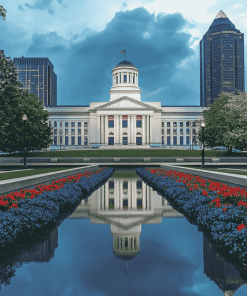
[83, 39]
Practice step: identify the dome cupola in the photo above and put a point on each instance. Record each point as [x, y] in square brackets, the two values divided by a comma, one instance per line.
[125, 81]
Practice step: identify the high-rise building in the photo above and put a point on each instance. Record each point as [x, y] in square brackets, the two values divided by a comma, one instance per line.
[37, 76]
[221, 60]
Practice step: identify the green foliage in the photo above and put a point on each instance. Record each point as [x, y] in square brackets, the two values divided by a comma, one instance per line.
[3, 12]
[14, 103]
[226, 121]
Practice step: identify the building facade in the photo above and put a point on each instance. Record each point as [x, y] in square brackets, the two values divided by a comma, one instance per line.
[37, 76]
[221, 60]
[124, 120]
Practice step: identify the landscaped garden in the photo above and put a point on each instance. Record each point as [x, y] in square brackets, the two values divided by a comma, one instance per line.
[217, 209]
[28, 213]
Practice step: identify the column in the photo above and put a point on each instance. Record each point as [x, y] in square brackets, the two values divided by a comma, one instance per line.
[129, 194]
[115, 129]
[171, 132]
[144, 197]
[133, 195]
[144, 129]
[134, 129]
[120, 129]
[136, 79]
[129, 129]
[106, 129]
[106, 195]
[120, 189]
[76, 132]
[147, 123]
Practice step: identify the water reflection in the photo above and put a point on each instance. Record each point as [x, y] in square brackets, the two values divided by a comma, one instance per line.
[40, 253]
[125, 204]
[224, 274]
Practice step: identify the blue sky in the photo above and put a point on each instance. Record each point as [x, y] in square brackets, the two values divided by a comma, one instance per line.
[83, 40]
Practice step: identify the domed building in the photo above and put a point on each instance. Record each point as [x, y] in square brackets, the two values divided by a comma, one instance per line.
[124, 120]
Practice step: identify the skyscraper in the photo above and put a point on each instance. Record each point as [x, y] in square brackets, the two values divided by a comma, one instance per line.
[221, 60]
[38, 77]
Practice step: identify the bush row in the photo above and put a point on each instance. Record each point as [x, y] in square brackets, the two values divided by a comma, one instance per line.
[220, 225]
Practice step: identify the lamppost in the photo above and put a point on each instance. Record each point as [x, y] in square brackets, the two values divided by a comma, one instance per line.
[202, 126]
[25, 148]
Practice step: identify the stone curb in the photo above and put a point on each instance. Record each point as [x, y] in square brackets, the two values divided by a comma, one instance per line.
[25, 182]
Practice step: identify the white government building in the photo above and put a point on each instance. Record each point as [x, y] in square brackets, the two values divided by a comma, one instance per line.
[124, 120]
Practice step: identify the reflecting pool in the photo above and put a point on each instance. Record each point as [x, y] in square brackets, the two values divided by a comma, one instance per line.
[125, 239]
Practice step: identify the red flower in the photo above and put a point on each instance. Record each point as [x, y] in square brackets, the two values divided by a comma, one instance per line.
[240, 227]
[204, 192]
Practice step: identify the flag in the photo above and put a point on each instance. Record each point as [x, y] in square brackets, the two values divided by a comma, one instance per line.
[122, 52]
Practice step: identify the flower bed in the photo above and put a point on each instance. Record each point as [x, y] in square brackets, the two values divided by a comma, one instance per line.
[43, 207]
[217, 209]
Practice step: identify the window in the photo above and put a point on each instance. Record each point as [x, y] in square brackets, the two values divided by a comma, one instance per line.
[66, 140]
[181, 131]
[85, 140]
[79, 124]
[66, 131]
[174, 124]
[124, 121]
[85, 124]
[162, 124]
[162, 140]
[79, 131]
[61, 140]
[72, 131]
[187, 123]
[138, 184]
[111, 185]
[138, 121]
[125, 185]
[194, 131]
[55, 124]
[168, 140]
[168, 124]
[181, 140]
[194, 123]
[175, 140]
[79, 140]
[61, 124]
[181, 124]
[85, 131]
[125, 78]
[55, 131]
[72, 124]
[168, 132]
[72, 140]
[55, 140]
[162, 132]
[187, 130]
[110, 121]
[66, 124]
[187, 140]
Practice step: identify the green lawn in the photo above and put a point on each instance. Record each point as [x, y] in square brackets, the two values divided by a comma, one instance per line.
[222, 170]
[24, 173]
[131, 153]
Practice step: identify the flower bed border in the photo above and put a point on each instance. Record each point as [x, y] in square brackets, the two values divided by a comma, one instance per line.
[219, 225]
[35, 217]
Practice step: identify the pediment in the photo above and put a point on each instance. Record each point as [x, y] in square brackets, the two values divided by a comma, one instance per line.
[125, 103]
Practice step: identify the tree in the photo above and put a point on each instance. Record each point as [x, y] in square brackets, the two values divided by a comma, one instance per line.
[226, 121]
[14, 103]
[3, 12]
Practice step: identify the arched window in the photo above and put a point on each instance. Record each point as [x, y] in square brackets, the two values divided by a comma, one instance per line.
[111, 134]
[125, 134]
[138, 134]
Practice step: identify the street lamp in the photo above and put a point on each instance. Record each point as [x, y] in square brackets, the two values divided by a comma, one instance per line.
[24, 118]
[202, 126]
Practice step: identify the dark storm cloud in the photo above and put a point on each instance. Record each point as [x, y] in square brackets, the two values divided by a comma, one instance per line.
[155, 45]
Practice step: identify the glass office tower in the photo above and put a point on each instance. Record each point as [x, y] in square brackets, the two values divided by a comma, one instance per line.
[221, 60]
[37, 76]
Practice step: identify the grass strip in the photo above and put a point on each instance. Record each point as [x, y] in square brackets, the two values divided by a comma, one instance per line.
[24, 173]
[132, 153]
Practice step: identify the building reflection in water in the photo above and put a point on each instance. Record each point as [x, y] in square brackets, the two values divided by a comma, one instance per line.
[224, 274]
[126, 204]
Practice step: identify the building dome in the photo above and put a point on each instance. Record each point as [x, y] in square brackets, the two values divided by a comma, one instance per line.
[125, 63]
[125, 82]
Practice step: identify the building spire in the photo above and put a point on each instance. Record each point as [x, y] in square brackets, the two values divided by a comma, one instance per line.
[221, 14]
